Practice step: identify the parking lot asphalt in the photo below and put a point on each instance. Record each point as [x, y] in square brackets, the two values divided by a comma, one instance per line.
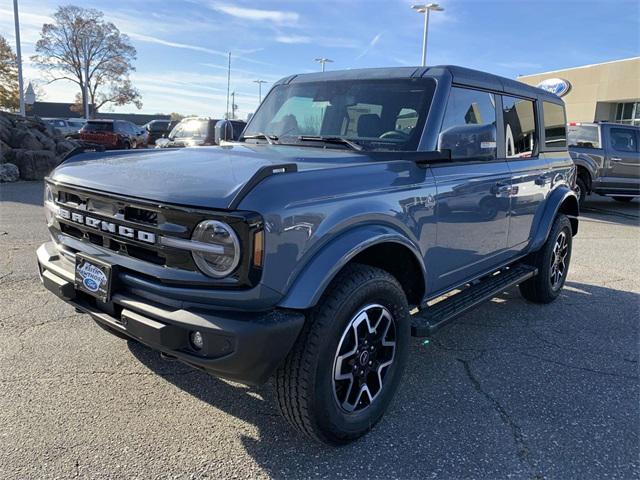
[510, 390]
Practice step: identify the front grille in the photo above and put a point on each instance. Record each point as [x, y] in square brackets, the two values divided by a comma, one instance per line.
[152, 219]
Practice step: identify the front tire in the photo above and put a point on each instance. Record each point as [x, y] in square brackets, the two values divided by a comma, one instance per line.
[345, 367]
[552, 262]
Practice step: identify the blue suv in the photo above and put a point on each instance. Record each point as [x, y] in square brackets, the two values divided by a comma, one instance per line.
[358, 208]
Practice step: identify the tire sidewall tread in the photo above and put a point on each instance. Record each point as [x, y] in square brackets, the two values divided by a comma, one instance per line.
[304, 382]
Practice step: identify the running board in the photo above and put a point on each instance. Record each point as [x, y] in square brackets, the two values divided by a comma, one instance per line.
[429, 319]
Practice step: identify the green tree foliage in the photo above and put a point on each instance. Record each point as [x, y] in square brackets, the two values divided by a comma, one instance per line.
[9, 92]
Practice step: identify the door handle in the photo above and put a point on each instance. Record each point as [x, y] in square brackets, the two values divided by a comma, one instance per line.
[615, 159]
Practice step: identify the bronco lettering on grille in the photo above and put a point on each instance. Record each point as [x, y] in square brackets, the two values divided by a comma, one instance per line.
[109, 227]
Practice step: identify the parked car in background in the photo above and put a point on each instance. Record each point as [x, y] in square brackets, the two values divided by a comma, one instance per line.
[156, 129]
[142, 136]
[197, 132]
[608, 159]
[67, 127]
[112, 134]
[358, 208]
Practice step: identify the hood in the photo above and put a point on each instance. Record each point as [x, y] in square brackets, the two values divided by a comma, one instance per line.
[206, 177]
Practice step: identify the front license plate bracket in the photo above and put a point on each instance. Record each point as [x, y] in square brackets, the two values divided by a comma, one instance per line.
[94, 277]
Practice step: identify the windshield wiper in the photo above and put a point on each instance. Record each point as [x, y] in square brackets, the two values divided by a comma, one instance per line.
[271, 139]
[319, 138]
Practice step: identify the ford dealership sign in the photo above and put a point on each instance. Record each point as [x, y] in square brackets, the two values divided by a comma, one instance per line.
[557, 86]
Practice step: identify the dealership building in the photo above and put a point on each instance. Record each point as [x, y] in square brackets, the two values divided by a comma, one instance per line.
[602, 92]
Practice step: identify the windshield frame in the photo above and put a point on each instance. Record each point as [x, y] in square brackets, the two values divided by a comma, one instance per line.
[427, 85]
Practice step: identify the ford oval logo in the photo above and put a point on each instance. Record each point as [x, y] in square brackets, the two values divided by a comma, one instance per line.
[557, 86]
[91, 284]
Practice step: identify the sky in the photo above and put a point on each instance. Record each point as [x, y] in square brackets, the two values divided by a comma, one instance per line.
[182, 45]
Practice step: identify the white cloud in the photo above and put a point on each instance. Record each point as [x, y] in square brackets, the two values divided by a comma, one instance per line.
[275, 16]
[293, 39]
[159, 41]
[372, 44]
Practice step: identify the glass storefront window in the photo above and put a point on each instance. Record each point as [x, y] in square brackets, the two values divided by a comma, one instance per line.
[628, 113]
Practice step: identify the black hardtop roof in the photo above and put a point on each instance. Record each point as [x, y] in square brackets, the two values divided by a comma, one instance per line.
[459, 75]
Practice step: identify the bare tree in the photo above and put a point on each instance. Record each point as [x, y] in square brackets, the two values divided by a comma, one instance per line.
[80, 46]
[9, 91]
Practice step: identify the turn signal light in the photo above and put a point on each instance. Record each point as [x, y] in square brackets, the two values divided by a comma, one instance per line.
[258, 248]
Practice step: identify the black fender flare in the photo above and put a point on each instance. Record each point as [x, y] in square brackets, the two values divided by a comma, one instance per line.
[584, 161]
[309, 285]
[564, 200]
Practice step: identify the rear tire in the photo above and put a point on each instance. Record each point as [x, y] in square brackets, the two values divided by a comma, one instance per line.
[623, 199]
[126, 146]
[552, 262]
[329, 386]
[581, 191]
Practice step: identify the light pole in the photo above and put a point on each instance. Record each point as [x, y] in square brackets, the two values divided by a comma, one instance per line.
[425, 9]
[322, 61]
[259, 82]
[19, 57]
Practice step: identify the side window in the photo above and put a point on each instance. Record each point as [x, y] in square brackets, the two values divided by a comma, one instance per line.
[623, 140]
[555, 130]
[469, 125]
[519, 127]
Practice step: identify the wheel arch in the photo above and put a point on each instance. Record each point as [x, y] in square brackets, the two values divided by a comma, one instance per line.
[377, 246]
[586, 166]
[562, 200]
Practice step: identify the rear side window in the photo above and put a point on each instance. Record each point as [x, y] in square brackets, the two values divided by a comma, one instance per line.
[519, 127]
[624, 140]
[584, 136]
[469, 125]
[555, 130]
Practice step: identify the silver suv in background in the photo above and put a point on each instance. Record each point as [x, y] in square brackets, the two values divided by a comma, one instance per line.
[67, 127]
[607, 158]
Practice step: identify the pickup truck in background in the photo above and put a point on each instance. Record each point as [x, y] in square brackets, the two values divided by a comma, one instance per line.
[607, 158]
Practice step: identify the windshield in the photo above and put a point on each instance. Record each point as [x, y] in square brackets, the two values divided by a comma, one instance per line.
[584, 136]
[377, 114]
[190, 129]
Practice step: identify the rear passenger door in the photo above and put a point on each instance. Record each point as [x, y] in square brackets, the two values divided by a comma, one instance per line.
[530, 172]
[472, 202]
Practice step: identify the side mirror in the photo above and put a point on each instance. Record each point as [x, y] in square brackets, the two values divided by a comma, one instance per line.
[223, 131]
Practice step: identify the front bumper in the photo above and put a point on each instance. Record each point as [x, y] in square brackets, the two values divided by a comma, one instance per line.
[245, 347]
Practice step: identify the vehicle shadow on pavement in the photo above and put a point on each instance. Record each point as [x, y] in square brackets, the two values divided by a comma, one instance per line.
[481, 398]
[606, 209]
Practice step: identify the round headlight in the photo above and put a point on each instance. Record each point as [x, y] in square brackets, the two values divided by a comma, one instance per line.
[224, 256]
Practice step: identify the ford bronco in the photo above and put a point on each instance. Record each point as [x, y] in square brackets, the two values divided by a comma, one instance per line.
[337, 227]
